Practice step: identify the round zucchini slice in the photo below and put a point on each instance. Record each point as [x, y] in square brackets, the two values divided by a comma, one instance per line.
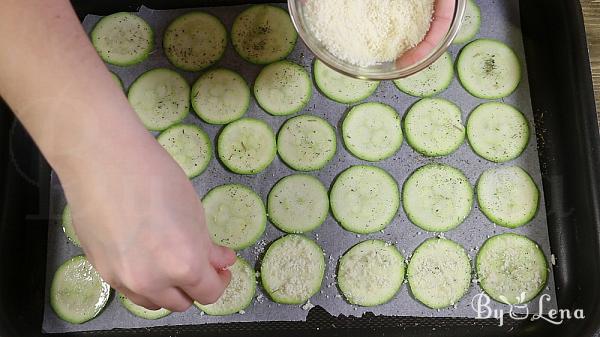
[298, 204]
[263, 34]
[371, 273]
[123, 39]
[497, 132]
[364, 199]
[306, 143]
[247, 146]
[239, 293]
[372, 131]
[189, 146]
[430, 81]
[469, 27]
[342, 88]
[292, 269]
[235, 216]
[195, 41]
[77, 292]
[511, 268]
[488, 69]
[220, 96]
[437, 197]
[160, 97]
[142, 312]
[283, 88]
[433, 127]
[508, 196]
[439, 273]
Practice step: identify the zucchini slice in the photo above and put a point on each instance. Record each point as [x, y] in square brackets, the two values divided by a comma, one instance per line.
[123, 39]
[195, 41]
[342, 88]
[77, 292]
[469, 27]
[239, 293]
[160, 97]
[292, 269]
[306, 143]
[220, 96]
[488, 69]
[439, 273]
[364, 199]
[247, 146]
[508, 196]
[189, 146]
[283, 88]
[371, 273]
[437, 197]
[142, 312]
[372, 131]
[433, 127]
[263, 34]
[67, 225]
[497, 132]
[235, 216]
[511, 268]
[429, 81]
[298, 204]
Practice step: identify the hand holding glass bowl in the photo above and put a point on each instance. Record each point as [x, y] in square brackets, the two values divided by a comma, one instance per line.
[445, 24]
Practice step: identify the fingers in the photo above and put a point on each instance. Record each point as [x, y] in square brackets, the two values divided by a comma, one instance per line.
[443, 15]
[221, 257]
[205, 284]
[210, 286]
[415, 55]
[173, 299]
[139, 299]
[207, 290]
[439, 28]
[444, 9]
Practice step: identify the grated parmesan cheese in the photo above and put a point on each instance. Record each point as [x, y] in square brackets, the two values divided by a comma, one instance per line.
[366, 32]
[307, 306]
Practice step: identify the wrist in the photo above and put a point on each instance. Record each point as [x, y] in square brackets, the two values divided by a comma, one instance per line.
[100, 151]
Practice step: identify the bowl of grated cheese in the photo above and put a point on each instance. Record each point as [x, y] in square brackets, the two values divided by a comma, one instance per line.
[377, 39]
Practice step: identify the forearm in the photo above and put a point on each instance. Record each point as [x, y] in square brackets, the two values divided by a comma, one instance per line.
[61, 91]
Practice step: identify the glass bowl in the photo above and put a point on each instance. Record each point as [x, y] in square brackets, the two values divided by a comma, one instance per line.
[381, 71]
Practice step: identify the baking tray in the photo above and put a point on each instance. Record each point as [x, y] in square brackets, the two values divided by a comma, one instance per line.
[332, 238]
[563, 105]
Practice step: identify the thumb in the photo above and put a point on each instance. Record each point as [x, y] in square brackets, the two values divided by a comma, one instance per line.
[221, 257]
